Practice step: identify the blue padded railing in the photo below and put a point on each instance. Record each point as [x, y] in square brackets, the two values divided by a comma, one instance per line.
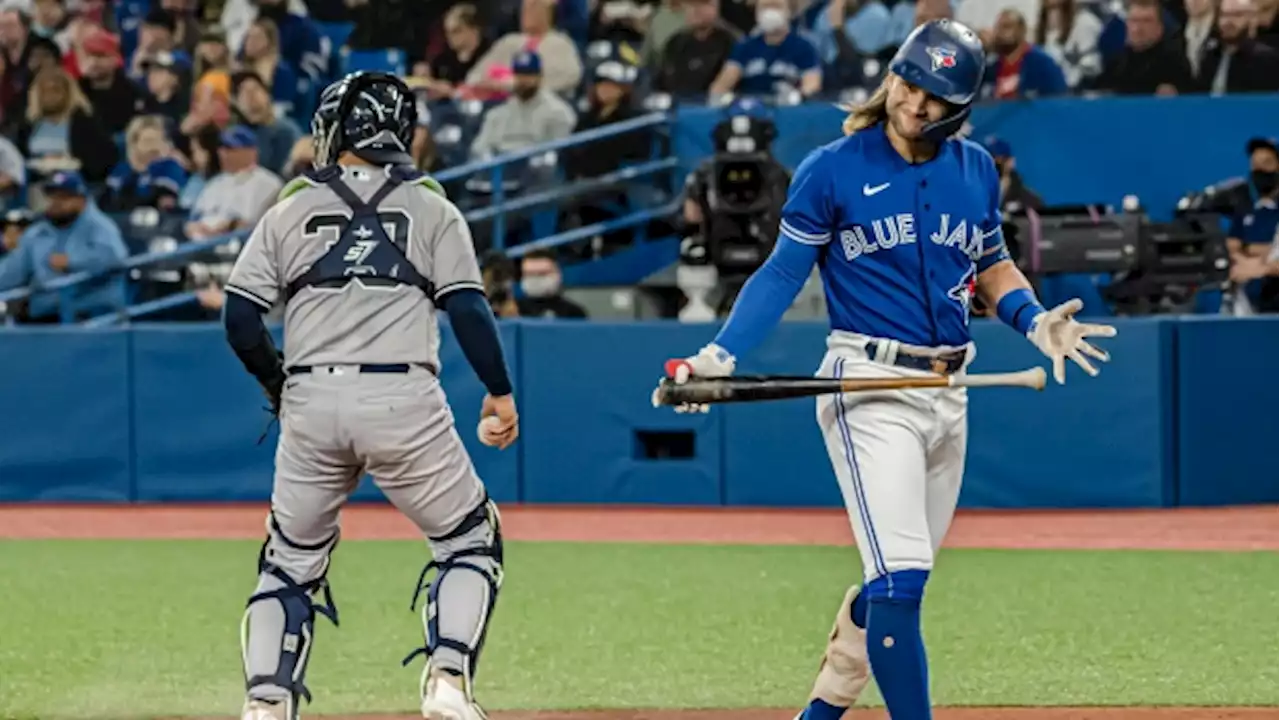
[496, 210]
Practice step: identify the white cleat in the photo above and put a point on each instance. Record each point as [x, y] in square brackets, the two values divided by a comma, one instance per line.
[445, 701]
[265, 710]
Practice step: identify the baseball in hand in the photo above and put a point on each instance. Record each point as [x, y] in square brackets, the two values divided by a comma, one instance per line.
[487, 429]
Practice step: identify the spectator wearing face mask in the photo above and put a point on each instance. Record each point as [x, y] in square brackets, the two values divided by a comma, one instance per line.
[149, 176]
[276, 135]
[1069, 34]
[49, 18]
[771, 58]
[1020, 69]
[532, 115]
[1233, 62]
[541, 285]
[1251, 239]
[114, 98]
[73, 236]
[693, 57]
[1151, 62]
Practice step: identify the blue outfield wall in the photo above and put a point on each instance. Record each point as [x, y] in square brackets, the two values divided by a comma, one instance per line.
[1186, 413]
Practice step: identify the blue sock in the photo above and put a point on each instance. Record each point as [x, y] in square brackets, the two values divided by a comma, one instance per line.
[821, 710]
[895, 645]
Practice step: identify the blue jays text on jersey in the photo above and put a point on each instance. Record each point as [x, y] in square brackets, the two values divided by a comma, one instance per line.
[901, 243]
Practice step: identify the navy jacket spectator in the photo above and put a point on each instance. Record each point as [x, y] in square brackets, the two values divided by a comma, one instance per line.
[73, 236]
[301, 43]
[1151, 61]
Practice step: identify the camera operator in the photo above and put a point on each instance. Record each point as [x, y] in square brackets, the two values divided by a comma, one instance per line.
[732, 208]
[1251, 241]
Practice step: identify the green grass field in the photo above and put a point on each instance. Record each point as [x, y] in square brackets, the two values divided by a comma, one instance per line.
[141, 628]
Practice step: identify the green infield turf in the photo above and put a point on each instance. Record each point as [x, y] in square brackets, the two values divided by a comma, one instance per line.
[150, 627]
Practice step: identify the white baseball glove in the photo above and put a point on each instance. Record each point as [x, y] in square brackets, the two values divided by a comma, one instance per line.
[711, 361]
[1059, 336]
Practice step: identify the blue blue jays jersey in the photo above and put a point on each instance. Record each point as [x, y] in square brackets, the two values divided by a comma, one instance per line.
[902, 243]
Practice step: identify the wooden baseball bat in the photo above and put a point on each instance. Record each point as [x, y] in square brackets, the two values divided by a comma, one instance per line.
[755, 388]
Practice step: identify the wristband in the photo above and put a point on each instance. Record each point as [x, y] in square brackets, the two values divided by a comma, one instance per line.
[1018, 309]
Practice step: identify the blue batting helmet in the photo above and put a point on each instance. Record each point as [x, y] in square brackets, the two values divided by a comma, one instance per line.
[946, 60]
[371, 114]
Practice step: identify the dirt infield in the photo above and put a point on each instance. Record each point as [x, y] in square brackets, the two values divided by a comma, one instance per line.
[1231, 529]
[1226, 529]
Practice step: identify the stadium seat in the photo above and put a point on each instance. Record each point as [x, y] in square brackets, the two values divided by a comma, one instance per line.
[391, 60]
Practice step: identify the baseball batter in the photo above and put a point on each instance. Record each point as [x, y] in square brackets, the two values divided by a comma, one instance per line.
[903, 221]
[361, 251]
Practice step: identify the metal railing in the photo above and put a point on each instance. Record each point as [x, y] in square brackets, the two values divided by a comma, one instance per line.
[496, 210]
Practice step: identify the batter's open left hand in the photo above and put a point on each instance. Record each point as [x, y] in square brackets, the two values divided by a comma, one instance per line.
[1059, 336]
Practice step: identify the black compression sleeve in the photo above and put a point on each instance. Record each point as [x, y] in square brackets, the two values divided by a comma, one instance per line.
[248, 337]
[477, 333]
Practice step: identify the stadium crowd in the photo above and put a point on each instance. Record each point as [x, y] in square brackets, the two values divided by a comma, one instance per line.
[196, 113]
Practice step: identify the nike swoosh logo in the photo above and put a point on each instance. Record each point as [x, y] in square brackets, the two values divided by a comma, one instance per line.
[869, 191]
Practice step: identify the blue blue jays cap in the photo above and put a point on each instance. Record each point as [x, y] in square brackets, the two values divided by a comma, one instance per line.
[526, 62]
[67, 181]
[238, 137]
[943, 58]
[997, 147]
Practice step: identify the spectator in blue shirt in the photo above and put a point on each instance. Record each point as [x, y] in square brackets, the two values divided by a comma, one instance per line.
[148, 176]
[771, 59]
[74, 236]
[276, 135]
[1020, 69]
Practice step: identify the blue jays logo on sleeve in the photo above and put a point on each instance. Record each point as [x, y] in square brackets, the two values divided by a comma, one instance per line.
[941, 57]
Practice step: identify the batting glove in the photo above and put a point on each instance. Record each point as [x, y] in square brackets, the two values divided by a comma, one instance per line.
[711, 361]
[1059, 336]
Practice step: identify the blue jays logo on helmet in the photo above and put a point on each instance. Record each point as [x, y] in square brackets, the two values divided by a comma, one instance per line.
[946, 60]
[368, 113]
[942, 57]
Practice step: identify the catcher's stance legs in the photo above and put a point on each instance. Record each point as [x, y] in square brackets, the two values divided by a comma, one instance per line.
[899, 459]
[337, 424]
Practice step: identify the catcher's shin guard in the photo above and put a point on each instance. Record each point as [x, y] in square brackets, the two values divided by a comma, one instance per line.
[845, 668]
[279, 622]
[460, 598]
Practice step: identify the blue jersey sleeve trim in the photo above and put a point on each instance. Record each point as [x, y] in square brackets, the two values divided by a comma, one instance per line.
[767, 295]
[804, 237]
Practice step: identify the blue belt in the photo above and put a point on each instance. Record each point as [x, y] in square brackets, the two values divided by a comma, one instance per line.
[394, 368]
[945, 363]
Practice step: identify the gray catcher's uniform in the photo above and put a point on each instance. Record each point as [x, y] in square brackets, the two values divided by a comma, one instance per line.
[361, 353]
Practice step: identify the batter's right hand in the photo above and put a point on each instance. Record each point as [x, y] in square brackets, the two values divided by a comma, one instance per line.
[710, 362]
[507, 429]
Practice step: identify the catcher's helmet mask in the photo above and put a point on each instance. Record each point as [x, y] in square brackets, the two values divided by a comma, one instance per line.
[386, 135]
[945, 59]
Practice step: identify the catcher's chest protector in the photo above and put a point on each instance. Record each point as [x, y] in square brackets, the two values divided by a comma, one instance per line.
[364, 252]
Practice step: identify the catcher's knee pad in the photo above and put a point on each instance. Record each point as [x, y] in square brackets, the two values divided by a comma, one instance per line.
[279, 619]
[845, 668]
[461, 596]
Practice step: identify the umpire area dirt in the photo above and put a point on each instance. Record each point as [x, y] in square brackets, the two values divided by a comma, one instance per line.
[1224, 529]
